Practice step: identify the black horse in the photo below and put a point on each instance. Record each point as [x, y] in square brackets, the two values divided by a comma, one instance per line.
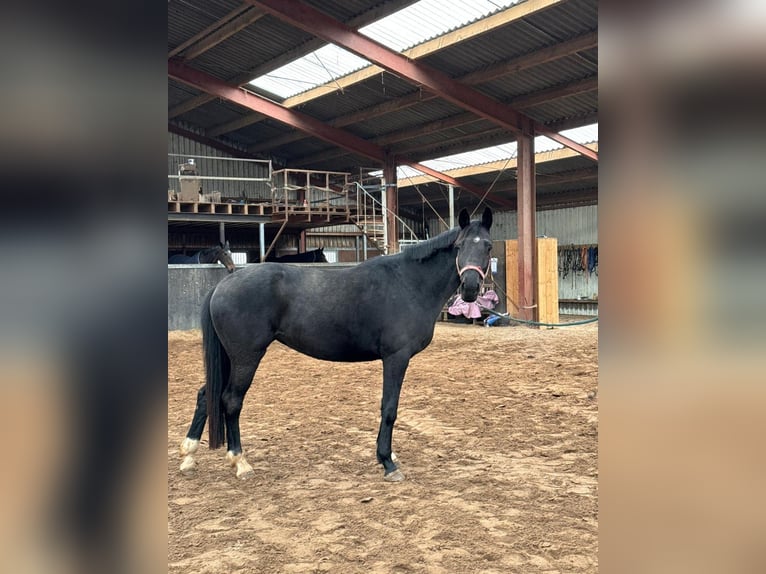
[220, 253]
[396, 302]
[315, 256]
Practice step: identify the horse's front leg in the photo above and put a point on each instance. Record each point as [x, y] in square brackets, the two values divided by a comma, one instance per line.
[394, 368]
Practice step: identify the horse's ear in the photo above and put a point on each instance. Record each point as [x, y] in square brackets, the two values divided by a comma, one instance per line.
[227, 244]
[463, 219]
[486, 218]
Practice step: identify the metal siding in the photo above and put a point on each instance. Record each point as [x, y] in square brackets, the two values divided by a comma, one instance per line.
[576, 225]
[230, 189]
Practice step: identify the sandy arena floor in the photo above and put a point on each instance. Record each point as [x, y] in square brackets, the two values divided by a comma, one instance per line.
[497, 436]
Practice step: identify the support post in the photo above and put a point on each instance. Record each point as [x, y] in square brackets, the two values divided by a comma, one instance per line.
[302, 242]
[392, 204]
[262, 240]
[525, 196]
[222, 232]
[451, 189]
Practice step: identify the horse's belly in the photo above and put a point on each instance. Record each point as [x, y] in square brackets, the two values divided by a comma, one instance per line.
[329, 349]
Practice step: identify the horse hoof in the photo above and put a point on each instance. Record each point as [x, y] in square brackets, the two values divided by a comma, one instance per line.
[394, 476]
[188, 465]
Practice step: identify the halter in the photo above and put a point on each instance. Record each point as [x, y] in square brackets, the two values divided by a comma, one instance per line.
[482, 273]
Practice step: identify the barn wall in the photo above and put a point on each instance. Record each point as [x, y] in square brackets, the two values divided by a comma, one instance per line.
[187, 286]
[577, 225]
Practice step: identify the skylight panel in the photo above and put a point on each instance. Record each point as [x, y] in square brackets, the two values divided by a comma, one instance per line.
[399, 31]
[581, 135]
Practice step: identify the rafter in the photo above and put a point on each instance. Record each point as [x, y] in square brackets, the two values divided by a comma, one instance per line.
[540, 157]
[536, 58]
[307, 18]
[242, 78]
[522, 102]
[210, 29]
[226, 31]
[336, 136]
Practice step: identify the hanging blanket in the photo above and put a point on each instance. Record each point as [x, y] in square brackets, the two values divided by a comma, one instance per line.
[473, 310]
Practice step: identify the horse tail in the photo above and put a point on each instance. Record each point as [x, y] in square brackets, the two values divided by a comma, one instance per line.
[217, 368]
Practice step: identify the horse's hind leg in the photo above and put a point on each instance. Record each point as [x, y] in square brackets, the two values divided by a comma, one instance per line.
[233, 395]
[191, 443]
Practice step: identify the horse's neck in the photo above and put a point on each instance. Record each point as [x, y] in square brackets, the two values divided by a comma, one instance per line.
[438, 275]
[207, 256]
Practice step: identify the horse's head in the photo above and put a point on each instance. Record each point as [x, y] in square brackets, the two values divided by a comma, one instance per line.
[320, 258]
[224, 256]
[473, 253]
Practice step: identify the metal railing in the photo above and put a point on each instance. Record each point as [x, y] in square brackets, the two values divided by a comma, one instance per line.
[365, 198]
[244, 180]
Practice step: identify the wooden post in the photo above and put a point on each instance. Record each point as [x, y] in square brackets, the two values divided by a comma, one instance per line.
[525, 195]
[302, 242]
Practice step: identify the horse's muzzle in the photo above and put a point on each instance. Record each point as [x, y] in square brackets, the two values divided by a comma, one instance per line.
[470, 286]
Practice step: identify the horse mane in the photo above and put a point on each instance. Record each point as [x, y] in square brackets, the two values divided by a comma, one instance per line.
[426, 249]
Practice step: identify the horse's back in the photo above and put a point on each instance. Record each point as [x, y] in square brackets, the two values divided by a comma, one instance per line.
[180, 259]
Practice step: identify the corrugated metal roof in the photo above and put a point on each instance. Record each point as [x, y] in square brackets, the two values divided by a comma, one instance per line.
[413, 122]
[583, 135]
[399, 31]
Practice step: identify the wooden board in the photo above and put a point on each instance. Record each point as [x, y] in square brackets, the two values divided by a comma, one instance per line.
[547, 280]
[512, 277]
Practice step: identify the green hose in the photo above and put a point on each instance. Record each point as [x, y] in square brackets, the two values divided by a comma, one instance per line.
[538, 323]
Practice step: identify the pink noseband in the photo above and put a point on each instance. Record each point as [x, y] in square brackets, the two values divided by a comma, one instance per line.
[482, 273]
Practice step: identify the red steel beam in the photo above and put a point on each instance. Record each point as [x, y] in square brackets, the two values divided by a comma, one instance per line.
[516, 65]
[251, 101]
[384, 9]
[336, 136]
[323, 26]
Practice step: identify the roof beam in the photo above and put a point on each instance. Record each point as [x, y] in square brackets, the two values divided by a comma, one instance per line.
[579, 197]
[536, 58]
[528, 100]
[226, 31]
[336, 136]
[251, 101]
[429, 47]
[318, 23]
[246, 76]
[209, 30]
[541, 157]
